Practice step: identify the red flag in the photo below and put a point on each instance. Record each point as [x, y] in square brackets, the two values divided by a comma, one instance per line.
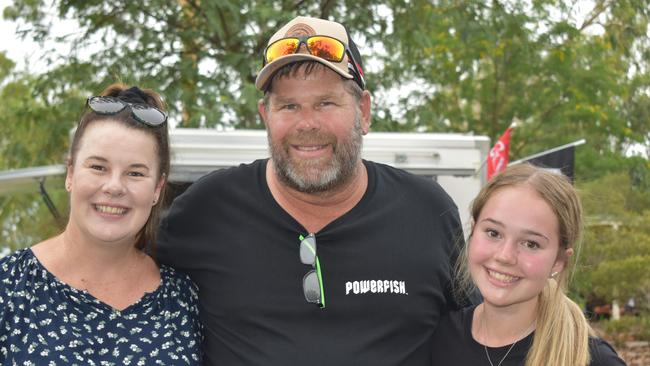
[498, 156]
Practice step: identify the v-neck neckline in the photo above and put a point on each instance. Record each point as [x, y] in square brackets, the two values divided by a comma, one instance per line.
[90, 297]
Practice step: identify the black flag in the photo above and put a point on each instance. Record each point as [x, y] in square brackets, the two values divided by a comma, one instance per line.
[562, 160]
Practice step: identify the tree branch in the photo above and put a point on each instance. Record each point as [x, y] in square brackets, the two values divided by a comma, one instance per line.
[326, 8]
[598, 9]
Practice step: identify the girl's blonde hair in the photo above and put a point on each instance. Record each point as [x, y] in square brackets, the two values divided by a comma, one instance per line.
[562, 332]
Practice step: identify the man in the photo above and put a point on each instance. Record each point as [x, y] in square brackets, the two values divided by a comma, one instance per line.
[315, 256]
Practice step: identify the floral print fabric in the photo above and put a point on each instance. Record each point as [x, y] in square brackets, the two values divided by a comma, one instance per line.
[44, 321]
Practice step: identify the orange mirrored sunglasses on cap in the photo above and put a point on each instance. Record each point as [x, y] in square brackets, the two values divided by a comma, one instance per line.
[327, 48]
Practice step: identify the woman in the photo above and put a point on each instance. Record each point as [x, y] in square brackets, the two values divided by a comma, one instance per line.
[527, 224]
[91, 295]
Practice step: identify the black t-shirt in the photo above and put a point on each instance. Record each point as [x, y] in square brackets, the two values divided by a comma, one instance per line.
[454, 345]
[386, 267]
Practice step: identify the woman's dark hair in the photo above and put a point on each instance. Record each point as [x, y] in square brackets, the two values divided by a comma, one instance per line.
[147, 236]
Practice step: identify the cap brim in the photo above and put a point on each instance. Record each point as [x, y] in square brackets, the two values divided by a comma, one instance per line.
[265, 75]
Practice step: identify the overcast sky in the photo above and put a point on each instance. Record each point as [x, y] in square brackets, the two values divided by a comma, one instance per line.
[27, 53]
[9, 44]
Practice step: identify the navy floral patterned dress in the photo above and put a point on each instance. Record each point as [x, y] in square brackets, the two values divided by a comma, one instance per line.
[44, 321]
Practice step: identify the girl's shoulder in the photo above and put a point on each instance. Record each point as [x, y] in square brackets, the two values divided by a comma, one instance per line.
[457, 322]
[603, 354]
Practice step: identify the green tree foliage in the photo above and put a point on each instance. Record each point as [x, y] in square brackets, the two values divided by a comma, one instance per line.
[565, 71]
[202, 55]
[616, 252]
[33, 132]
[481, 65]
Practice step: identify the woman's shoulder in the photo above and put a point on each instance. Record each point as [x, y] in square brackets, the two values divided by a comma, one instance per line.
[20, 278]
[16, 264]
[603, 354]
[177, 283]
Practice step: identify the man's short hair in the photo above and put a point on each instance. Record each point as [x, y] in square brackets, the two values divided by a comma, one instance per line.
[306, 68]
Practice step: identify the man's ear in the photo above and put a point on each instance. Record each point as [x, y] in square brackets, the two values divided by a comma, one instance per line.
[261, 109]
[365, 107]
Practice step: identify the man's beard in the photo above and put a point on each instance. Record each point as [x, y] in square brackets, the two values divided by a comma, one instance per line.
[322, 174]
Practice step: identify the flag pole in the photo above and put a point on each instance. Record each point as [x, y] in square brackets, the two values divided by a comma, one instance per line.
[571, 144]
[480, 167]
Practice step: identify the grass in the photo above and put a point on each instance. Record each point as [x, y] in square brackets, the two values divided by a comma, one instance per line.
[628, 328]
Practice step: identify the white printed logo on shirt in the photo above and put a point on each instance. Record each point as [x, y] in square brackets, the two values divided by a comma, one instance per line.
[375, 287]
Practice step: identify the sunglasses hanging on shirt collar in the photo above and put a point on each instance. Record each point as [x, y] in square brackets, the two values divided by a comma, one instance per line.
[312, 282]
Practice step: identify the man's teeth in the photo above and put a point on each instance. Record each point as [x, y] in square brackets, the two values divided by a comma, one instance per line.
[502, 277]
[110, 210]
[310, 148]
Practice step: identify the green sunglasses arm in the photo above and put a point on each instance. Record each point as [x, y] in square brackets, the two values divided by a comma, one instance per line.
[320, 282]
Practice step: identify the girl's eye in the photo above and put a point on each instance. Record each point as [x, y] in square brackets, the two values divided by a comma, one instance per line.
[529, 244]
[492, 233]
[289, 107]
[97, 167]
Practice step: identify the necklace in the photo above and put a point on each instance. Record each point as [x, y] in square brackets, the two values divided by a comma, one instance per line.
[487, 354]
[504, 356]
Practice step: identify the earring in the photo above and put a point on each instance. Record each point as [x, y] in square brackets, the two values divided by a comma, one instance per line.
[67, 187]
[155, 201]
[554, 274]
